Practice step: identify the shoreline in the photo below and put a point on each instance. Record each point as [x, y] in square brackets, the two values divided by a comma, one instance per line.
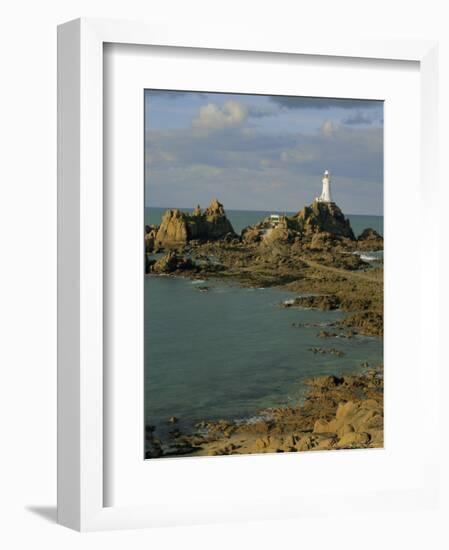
[336, 412]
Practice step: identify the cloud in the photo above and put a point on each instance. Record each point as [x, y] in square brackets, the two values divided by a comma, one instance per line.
[357, 118]
[259, 111]
[299, 102]
[329, 128]
[299, 155]
[217, 117]
[248, 169]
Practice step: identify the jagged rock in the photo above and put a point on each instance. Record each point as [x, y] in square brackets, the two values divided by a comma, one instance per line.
[326, 444]
[150, 236]
[321, 217]
[173, 229]
[353, 439]
[369, 323]
[170, 263]
[325, 302]
[178, 228]
[321, 241]
[215, 209]
[370, 240]
[252, 234]
[305, 444]
[279, 235]
[320, 226]
[323, 382]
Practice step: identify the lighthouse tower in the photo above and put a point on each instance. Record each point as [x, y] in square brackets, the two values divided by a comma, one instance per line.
[326, 192]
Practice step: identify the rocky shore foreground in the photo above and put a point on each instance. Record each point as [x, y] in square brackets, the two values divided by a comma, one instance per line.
[343, 412]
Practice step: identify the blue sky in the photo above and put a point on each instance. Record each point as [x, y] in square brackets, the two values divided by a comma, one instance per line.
[257, 152]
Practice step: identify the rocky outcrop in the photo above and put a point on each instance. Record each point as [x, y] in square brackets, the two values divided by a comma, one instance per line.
[369, 323]
[170, 263]
[322, 302]
[370, 240]
[178, 228]
[320, 226]
[322, 217]
[150, 237]
[252, 234]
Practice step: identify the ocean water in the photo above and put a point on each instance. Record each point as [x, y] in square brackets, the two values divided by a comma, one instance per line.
[232, 351]
[243, 218]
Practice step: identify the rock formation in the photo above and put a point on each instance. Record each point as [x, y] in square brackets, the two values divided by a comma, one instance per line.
[324, 217]
[150, 236]
[370, 240]
[171, 263]
[177, 228]
[320, 226]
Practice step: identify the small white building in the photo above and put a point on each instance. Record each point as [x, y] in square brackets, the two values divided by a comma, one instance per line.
[326, 192]
[274, 220]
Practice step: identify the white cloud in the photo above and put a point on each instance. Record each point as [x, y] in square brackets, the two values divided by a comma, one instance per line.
[217, 117]
[329, 128]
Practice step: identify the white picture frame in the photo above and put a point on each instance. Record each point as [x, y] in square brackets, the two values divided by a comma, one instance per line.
[81, 406]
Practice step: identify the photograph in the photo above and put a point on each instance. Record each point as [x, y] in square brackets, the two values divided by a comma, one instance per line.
[263, 285]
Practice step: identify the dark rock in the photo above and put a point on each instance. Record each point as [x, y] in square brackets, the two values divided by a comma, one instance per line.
[178, 228]
[369, 323]
[370, 240]
[326, 302]
[321, 217]
[171, 263]
[150, 236]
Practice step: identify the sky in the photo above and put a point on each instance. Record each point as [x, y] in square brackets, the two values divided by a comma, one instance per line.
[259, 152]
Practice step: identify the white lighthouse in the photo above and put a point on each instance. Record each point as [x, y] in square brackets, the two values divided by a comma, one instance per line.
[326, 192]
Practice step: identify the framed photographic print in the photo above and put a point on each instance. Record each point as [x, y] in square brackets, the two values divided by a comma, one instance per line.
[234, 341]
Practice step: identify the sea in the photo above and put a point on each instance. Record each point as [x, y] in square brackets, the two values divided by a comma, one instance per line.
[232, 351]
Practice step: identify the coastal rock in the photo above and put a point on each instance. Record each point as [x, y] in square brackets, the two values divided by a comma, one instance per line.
[370, 240]
[278, 237]
[353, 439]
[252, 234]
[325, 302]
[320, 226]
[326, 444]
[321, 217]
[171, 263]
[178, 228]
[329, 381]
[150, 236]
[369, 323]
[321, 241]
[173, 229]
[305, 444]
